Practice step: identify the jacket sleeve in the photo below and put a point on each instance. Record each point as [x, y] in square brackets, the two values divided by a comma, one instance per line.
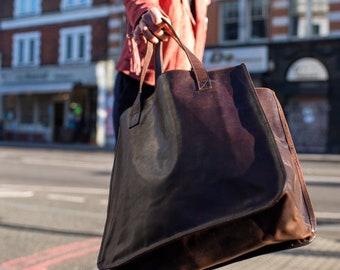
[136, 8]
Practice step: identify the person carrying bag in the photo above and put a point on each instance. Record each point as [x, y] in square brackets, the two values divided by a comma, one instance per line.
[205, 173]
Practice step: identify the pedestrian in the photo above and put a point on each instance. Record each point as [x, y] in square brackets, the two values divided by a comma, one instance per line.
[145, 22]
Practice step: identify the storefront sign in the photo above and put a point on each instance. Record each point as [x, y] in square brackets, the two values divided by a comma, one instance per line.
[256, 58]
[84, 74]
[307, 69]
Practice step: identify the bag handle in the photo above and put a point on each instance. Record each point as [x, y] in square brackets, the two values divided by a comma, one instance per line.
[137, 104]
[201, 75]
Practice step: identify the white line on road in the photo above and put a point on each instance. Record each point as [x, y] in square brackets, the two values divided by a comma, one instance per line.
[327, 215]
[65, 198]
[15, 194]
[322, 178]
[68, 163]
[51, 209]
[57, 189]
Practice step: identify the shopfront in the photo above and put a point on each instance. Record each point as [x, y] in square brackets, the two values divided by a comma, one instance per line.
[60, 116]
[308, 108]
[53, 104]
[254, 57]
[306, 79]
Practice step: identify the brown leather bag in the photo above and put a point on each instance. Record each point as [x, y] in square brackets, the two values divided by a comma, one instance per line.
[205, 174]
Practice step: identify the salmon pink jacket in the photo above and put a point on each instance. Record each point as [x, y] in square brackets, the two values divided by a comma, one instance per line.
[192, 32]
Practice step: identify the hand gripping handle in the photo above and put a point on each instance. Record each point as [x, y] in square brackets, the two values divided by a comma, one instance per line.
[201, 75]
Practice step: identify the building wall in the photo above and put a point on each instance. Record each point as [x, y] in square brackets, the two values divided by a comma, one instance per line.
[53, 89]
[311, 102]
[50, 41]
[334, 17]
[5, 48]
[6, 10]
[279, 19]
[213, 24]
[117, 29]
[50, 6]
[50, 37]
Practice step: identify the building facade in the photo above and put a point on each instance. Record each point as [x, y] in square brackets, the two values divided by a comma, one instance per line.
[58, 58]
[291, 46]
[56, 72]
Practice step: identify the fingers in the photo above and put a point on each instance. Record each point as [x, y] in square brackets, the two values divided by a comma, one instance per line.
[156, 16]
[142, 33]
[150, 27]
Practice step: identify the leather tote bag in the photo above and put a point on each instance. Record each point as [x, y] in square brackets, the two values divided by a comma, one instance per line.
[205, 174]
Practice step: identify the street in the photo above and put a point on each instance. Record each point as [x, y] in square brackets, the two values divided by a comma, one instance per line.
[53, 207]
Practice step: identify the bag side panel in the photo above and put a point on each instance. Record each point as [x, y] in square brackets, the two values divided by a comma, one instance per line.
[198, 159]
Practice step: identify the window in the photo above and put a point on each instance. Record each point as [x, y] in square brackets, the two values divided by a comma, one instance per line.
[66, 4]
[9, 108]
[27, 7]
[309, 18]
[43, 104]
[35, 109]
[26, 49]
[244, 20]
[75, 45]
[27, 106]
[230, 19]
[259, 15]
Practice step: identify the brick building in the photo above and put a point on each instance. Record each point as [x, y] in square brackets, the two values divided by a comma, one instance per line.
[56, 75]
[58, 63]
[291, 46]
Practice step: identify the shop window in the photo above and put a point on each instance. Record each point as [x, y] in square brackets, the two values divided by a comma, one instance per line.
[244, 20]
[308, 121]
[75, 45]
[34, 109]
[69, 4]
[44, 110]
[309, 18]
[27, 110]
[9, 108]
[27, 7]
[26, 49]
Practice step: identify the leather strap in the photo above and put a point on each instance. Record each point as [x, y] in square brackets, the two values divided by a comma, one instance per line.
[201, 75]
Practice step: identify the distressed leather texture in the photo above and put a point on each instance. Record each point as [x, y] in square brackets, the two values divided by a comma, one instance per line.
[205, 177]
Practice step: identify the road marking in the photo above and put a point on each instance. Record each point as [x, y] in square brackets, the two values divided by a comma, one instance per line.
[15, 194]
[57, 189]
[69, 163]
[65, 198]
[327, 215]
[53, 256]
[322, 179]
[51, 209]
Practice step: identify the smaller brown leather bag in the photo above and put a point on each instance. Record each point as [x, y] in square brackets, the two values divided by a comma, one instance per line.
[205, 174]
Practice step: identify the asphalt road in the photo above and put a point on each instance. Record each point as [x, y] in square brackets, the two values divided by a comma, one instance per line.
[53, 205]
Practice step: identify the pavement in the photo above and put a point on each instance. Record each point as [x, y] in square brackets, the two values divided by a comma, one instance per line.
[322, 254]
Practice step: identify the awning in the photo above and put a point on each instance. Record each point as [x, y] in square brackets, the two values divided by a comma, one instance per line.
[38, 88]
